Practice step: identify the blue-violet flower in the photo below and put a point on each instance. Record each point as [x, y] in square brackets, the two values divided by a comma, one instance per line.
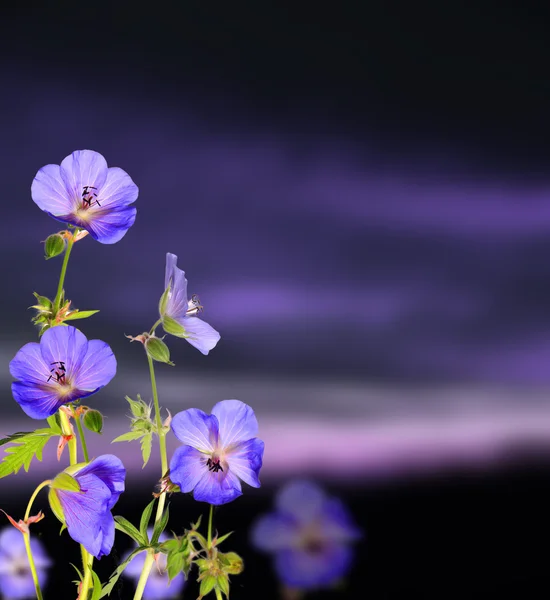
[310, 534]
[158, 586]
[62, 368]
[220, 449]
[87, 510]
[84, 192]
[16, 580]
[184, 311]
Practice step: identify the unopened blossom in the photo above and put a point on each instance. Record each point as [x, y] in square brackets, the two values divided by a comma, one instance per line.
[85, 193]
[16, 582]
[62, 368]
[310, 535]
[87, 511]
[158, 586]
[219, 451]
[184, 310]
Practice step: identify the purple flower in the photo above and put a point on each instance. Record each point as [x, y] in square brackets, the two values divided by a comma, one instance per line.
[84, 192]
[62, 368]
[220, 449]
[87, 511]
[15, 574]
[310, 534]
[158, 586]
[184, 311]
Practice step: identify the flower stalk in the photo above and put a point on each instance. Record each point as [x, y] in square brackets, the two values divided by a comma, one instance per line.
[57, 301]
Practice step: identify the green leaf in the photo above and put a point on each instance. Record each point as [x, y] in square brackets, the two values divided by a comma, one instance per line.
[128, 436]
[160, 526]
[65, 482]
[108, 587]
[96, 590]
[25, 448]
[172, 327]
[126, 527]
[223, 538]
[145, 518]
[80, 314]
[175, 562]
[146, 443]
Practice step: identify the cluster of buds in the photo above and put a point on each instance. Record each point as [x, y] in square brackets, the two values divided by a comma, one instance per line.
[47, 315]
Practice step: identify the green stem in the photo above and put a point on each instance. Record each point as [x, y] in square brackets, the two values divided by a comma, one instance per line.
[210, 518]
[155, 326]
[82, 439]
[27, 539]
[148, 564]
[57, 300]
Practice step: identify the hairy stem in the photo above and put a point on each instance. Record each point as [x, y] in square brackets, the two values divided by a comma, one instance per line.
[57, 301]
[210, 518]
[82, 439]
[148, 564]
[27, 539]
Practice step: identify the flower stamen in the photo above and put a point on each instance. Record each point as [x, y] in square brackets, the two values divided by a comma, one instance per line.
[89, 197]
[58, 372]
[194, 306]
[214, 465]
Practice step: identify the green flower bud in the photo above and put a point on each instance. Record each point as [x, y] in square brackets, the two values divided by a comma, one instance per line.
[158, 350]
[232, 563]
[93, 420]
[54, 245]
[207, 585]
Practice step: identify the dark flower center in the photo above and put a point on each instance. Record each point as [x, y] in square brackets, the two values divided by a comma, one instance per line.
[58, 372]
[194, 306]
[214, 465]
[89, 196]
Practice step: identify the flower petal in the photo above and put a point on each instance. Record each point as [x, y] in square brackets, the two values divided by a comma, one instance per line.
[338, 525]
[66, 344]
[82, 168]
[187, 468]
[302, 500]
[29, 366]
[245, 461]
[118, 190]
[109, 226]
[195, 428]
[274, 532]
[38, 402]
[237, 422]
[97, 368]
[107, 534]
[49, 192]
[110, 470]
[199, 334]
[84, 511]
[308, 570]
[217, 488]
[177, 305]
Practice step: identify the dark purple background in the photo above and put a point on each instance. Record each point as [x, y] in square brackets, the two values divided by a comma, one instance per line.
[361, 199]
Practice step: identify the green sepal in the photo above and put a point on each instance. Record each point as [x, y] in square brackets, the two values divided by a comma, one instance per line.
[207, 585]
[158, 350]
[163, 301]
[65, 482]
[55, 423]
[232, 563]
[172, 327]
[222, 538]
[93, 420]
[80, 314]
[130, 530]
[43, 302]
[54, 245]
[55, 505]
[222, 582]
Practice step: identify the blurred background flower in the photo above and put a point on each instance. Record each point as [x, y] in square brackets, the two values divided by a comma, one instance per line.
[310, 535]
[16, 582]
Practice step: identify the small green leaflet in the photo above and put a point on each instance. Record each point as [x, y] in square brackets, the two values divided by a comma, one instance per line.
[145, 518]
[80, 314]
[26, 446]
[108, 587]
[142, 428]
[126, 527]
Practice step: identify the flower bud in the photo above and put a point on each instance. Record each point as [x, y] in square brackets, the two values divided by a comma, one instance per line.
[158, 350]
[93, 420]
[54, 245]
[232, 563]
